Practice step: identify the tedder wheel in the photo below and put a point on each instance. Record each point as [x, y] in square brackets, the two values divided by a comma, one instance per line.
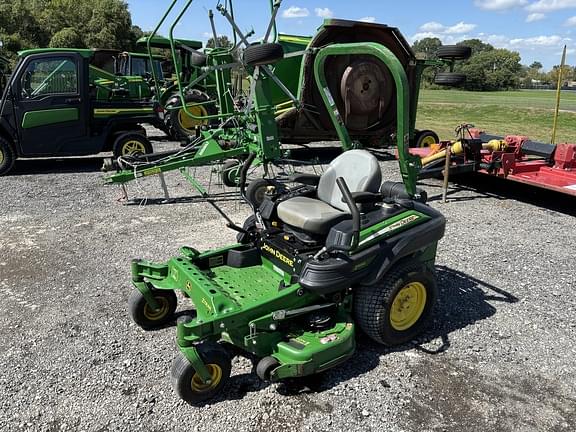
[398, 308]
[256, 191]
[449, 79]
[132, 144]
[265, 367]
[263, 54]
[181, 125]
[188, 384]
[426, 138]
[7, 156]
[230, 173]
[149, 318]
[454, 52]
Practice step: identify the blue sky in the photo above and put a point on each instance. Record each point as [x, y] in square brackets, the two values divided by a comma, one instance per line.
[538, 29]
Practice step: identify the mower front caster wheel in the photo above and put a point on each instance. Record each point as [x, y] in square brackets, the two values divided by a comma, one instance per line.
[147, 317]
[265, 367]
[188, 384]
[398, 308]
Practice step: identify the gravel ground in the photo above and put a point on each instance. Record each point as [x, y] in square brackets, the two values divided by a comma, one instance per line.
[498, 357]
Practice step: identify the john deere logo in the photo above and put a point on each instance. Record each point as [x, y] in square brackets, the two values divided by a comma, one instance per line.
[277, 254]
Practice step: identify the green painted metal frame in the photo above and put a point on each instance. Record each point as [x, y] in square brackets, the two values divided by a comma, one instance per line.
[409, 165]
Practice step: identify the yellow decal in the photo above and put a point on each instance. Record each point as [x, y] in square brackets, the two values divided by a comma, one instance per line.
[189, 285]
[150, 172]
[278, 254]
[205, 303]
[175, 274]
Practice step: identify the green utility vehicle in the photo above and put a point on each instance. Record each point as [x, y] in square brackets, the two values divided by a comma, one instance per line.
[69, 102]
[315, 262]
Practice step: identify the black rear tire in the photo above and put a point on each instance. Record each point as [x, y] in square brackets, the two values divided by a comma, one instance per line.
[449, 79]
[187, 384]
[374, 305]
[454, 52]
[7, 156]
[263, 54]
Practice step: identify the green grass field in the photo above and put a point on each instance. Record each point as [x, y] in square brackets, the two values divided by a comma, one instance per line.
[526, 112]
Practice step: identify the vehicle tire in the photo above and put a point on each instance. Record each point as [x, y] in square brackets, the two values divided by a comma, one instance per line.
[449, 79]
[148, 318]
[398, 308]
[454, 52]
[426, 138]
[182, 125]
[263, 54]
[250, 226]
[198, 59]
[131, 144]
[231, 173]
[7, 156]
[256, 191]
[188, 384]
[265, 367]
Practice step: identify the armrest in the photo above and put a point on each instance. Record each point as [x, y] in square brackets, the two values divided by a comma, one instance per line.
[365, 197]
[307, 179]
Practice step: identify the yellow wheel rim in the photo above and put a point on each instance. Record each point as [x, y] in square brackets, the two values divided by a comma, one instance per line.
[157, 314]
[427, 141]
[133, 147]
[408, 306]
[1, 156]
[200, 386]
[189, 123]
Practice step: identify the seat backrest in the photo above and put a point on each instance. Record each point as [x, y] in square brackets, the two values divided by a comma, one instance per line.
[359, 169]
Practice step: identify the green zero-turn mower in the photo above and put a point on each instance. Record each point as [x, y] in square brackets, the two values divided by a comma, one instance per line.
[315, 263]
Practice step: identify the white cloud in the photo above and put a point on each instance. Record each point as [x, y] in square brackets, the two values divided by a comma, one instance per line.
[324, 12]
[432, 26]
[550, 5]
[438, 29]
[295, 12]
[570, 22]
[538, 41]
[460, 28]
[499, 4]
[535, 17]
[368, 19]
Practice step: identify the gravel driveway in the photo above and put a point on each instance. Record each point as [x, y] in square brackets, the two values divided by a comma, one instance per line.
[499, 356]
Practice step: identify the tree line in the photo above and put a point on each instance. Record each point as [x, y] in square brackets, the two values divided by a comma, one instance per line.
[490, 68]
[65, 23]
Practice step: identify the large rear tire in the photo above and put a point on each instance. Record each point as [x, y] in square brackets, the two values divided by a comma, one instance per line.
[398, 308]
